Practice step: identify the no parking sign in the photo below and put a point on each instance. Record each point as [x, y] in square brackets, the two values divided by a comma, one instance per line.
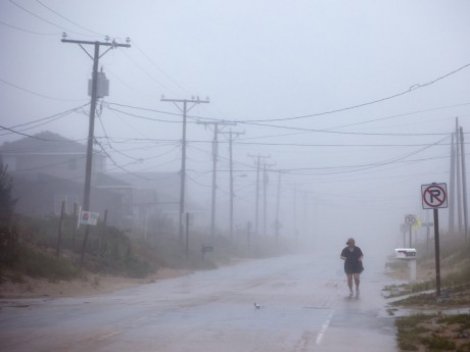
[434, 195]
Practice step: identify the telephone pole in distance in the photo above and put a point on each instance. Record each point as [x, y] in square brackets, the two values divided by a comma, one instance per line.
[258, 158]
[231, 135]
[215, 148]
[185, 109]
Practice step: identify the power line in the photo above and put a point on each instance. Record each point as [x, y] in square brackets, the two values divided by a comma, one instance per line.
[401, 115]
[334, 145]
[100, 120]
[337, 145]
[292, 128]
[326, 131]
[371, 102]
[171, 79]
[35, 93]
[3, 23]
[142, 116]
[23, 134]
[46, 166]
[386, 162]
[119, 166]
[40, 17]
[356, 106]
[67, 19]
[45, 120]
[136, 64]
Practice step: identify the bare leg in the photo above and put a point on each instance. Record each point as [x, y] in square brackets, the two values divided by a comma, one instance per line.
[357, 281]
[350, 283]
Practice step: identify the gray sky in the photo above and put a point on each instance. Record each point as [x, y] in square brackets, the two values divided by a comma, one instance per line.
[259, 60]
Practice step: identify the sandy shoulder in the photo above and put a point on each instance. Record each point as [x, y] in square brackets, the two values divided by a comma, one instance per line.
[89, 285]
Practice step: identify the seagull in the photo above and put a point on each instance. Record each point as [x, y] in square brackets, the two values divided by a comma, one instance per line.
[257, 306]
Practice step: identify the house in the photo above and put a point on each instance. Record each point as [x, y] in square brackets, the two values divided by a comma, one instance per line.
[49, 154]
[155, 201]
[47, 169]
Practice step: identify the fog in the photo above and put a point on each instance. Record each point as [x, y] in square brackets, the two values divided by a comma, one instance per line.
[352, 103]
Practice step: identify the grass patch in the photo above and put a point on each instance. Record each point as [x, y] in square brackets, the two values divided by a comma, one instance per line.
[40, 264]
[450, 297]
[438, 343]
[409, 330]
[433, 333]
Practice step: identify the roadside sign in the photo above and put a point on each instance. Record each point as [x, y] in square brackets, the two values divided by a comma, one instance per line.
[403, 228]
[89, 218]
[434, 195]
[410, 219]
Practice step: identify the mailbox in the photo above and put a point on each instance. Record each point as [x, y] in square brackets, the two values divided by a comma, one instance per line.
[405, 253]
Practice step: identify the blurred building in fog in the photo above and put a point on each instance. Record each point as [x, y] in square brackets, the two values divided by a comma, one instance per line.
[48, 169]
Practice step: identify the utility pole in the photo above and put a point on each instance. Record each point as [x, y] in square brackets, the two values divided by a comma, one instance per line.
[278, 203]
[452, 187]
[231, 134]
[257, 193]
[215, 153]
[464, 184]
[184, 110]
[91, 127]
[295, 212]
[265, 195]
[458, 178]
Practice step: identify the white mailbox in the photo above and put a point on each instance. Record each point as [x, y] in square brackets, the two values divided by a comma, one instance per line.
[405, 253]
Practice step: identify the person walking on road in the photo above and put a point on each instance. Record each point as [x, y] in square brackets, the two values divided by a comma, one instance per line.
[353, 267]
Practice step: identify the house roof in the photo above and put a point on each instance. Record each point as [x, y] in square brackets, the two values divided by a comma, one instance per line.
[43, 143]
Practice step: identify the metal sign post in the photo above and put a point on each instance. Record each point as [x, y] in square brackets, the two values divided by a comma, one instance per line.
[434, 196]
[410, 220]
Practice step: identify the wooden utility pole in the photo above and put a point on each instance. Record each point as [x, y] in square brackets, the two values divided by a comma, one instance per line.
[257, 193]
[59, 232]
[187, 236]
[464, 184]
[215, 151]
[452, 186]
[231, 135]
[184, 109]
[91, 127]
[459, 177]
[295, 215]
[104, 232]
[265, 196]
[278, 204]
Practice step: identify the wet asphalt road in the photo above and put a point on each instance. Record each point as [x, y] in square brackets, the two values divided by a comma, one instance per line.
[303, 307]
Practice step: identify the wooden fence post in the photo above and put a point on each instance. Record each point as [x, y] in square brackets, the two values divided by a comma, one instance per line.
[59, 234]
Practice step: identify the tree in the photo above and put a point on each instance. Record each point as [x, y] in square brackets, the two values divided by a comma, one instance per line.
[7, 203]
[8, 234]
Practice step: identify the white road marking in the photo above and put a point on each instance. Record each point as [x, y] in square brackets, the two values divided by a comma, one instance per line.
[323, 329]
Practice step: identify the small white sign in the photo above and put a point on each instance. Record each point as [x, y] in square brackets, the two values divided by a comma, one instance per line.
[410, 219]
[434, 195]
[89, 218]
